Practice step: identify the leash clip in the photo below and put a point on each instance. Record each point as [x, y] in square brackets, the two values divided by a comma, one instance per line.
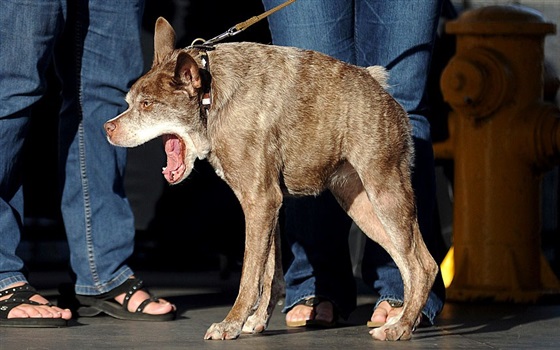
[239, 27]
[227, 34]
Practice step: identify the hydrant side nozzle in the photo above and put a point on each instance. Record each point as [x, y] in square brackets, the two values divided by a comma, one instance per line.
[477, 82]
[546, 136]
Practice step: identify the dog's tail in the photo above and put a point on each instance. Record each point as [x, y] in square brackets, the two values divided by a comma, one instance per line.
[380, 74]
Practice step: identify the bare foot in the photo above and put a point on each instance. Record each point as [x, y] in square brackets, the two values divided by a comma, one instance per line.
[36, 311]
[301, 313]
[160, 307]
[383, 312]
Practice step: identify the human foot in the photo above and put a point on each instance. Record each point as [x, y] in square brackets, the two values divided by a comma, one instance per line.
[386, 310]
[383, 312]
[129, 301]
[311, 312]
[22, 306]
[156, 306]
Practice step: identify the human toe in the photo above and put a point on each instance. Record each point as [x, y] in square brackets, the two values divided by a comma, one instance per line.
[299, 313]
[382, 313]
[159, 307]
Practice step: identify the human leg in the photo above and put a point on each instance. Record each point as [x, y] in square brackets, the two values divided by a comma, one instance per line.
[98, 61]
[22, 66]
[316, 228]
[406, 31]
[12, 135]
[326, 26]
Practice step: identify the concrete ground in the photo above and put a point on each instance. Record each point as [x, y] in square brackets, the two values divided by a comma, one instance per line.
[203, 298]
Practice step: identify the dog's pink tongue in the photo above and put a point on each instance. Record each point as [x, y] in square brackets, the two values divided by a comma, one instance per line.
[173, 170]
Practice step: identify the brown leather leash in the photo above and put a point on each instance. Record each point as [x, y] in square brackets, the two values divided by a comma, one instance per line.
[238, 28]
[208, 45]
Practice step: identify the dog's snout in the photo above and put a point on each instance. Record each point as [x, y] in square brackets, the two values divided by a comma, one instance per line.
[110, 127]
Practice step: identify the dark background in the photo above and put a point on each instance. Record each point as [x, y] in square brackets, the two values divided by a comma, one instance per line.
[198, 224]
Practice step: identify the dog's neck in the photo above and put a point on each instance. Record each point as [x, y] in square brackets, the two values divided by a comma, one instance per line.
[206, 96]
[206, 101]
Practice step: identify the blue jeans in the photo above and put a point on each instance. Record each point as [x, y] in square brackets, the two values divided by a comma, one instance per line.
[95, 46]
[399, 35]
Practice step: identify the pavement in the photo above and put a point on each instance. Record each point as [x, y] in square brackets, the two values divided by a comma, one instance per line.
[202, 298]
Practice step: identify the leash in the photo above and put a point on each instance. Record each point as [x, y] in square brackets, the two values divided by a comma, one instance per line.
[239, 27]
[208, 45]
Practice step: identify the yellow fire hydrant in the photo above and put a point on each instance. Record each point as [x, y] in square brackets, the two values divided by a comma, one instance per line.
[502, 138]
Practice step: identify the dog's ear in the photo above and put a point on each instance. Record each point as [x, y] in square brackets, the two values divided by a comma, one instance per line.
[164, 40]
[187, 74]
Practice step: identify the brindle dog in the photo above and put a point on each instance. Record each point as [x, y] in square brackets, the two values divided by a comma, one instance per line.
[273, 119]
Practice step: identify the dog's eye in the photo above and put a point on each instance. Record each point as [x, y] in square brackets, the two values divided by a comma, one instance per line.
[146, 104]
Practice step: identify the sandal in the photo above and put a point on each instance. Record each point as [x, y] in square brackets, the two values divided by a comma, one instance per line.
[105, 303]
[313, 302]
[21, 295]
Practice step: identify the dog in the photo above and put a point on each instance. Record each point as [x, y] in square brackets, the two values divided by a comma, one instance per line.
[273, 120]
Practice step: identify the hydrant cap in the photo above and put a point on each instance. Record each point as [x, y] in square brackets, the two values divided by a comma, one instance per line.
[500, 20]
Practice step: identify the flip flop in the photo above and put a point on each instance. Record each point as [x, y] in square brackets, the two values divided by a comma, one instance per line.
[105, 303]
[313, 302]
[21, 295]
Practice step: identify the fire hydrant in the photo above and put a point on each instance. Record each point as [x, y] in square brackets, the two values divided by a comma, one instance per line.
[502, 138]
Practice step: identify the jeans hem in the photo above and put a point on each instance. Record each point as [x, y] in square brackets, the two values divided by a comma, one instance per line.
[121, 276]
[18, 277]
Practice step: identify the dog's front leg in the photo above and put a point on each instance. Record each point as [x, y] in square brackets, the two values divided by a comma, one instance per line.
[261, 217]
[274, 276]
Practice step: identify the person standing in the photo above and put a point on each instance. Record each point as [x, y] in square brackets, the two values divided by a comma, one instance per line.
[96, 51]
[399, 35]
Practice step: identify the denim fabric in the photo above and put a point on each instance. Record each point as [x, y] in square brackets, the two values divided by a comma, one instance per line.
[95, 46]
[399, 35]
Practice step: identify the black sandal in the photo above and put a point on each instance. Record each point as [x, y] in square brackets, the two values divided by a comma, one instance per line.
[21, 295]
[313, 302]
[105, 303]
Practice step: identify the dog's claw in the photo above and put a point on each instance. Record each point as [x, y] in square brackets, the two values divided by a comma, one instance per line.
[254, 325]
[222, 331]
[392, 332]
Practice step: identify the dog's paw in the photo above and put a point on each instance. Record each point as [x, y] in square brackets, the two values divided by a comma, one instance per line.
[223, 331]
[392, 332]
[254, 324]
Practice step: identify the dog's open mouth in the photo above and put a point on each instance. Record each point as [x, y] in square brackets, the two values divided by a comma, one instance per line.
[175, 150]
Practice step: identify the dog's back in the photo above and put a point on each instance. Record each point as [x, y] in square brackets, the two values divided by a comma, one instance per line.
[286, 108]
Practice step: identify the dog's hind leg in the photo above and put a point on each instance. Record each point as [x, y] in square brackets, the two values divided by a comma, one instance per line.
[261, 206]
[385, 211]
[274, 276]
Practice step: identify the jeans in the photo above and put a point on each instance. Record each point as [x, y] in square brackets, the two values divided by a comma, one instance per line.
[95, 47]
[399, 35]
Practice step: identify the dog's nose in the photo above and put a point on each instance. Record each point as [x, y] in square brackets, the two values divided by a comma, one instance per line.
[109, 127]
